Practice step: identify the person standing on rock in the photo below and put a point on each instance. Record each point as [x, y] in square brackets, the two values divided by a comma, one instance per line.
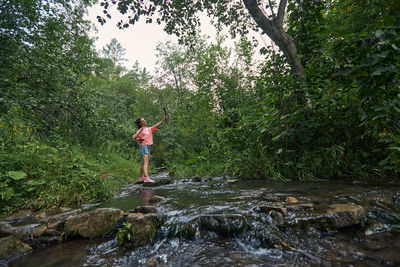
[145, 137]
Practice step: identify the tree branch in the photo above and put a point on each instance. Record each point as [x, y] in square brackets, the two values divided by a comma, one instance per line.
[281, 13]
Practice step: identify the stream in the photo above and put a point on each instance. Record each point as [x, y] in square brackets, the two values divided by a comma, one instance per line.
[184, 241]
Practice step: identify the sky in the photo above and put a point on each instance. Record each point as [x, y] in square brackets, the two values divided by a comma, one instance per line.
[140, 40]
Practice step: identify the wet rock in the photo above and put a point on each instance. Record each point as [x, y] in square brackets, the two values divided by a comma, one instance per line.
[277, 218]
[139, 229]
[19, 216]
[6, 229]
[268, 208]
[265, 235]
[53, 222]
[157, 199]
[300, 207]
[184, 229]
[38, 231]
[12, 248]
[291, 200]
[158, 182]
[396, 198]
[145, 209]
[96, 223]
[255, 195]
[346, 215]
[383, 216]
[231, 181]
[224, 224]
[335, 217]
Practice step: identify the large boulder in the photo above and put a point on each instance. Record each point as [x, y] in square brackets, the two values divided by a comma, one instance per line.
[11, 248]
[139, 229]
[96, 223]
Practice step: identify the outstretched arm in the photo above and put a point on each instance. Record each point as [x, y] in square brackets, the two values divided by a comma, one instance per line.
[161, 121]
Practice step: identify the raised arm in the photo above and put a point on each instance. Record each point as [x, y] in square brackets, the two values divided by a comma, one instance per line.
[161, 121]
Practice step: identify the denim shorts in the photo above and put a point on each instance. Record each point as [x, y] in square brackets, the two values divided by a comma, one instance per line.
[145, 150]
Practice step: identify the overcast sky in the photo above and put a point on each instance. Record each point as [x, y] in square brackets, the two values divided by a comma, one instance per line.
[139, 40]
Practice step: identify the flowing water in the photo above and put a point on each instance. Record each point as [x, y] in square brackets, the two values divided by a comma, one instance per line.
[182, 242]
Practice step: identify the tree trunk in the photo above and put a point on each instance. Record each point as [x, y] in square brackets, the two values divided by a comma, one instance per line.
[274, 29]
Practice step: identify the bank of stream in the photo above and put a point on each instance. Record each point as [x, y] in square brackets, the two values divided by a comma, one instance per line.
[227, 222]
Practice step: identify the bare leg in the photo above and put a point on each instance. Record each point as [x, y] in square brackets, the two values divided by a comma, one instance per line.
[145, 165]
[141, 170]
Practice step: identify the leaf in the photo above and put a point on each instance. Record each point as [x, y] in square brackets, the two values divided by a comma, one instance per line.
[16, 175]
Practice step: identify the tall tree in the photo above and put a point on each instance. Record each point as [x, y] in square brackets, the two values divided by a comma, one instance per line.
[115, 52]
[182, 18]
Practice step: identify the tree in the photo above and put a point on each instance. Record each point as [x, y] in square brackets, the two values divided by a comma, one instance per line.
[181, 18]
[115, 52]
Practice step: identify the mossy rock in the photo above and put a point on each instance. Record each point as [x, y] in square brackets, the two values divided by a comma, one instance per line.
[12, 248]
[139, 229]
[97, 223]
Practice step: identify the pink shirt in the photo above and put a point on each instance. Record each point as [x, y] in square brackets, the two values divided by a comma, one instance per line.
[147, 136]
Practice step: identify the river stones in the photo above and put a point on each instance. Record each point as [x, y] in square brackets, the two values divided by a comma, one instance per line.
[291, 200]
[158, 182]
[335, 216]
[54, 221]
[224, 224]
[157, 199]
[145, 209]
[6, 229]
[19, 216]
[268, 208]
[139, 229]
[93, 224]
[345, 215]
[12, 248]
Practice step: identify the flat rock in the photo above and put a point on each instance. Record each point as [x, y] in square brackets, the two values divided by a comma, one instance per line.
[158, 182]
[93, 224]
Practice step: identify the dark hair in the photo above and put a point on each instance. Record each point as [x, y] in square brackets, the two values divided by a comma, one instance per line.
[138, 123]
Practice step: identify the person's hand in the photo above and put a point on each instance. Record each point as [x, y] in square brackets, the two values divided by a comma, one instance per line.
[165, 118]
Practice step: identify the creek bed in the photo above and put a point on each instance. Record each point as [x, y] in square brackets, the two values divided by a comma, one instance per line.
[217, 222]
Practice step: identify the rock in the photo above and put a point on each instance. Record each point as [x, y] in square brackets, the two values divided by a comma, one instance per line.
[300, 207]
[336, 216]
[54, 221]
[6, 229]
[224, 224]
[346, 215]
[157, 199]
[291, 200]
[19, 216]
[145, 209]
[93, 224]
[139, 229]
[268, 208]
[38, 231]
[255, 195]
[12, 248]
[277, 218]
[396, 198]
[158, 182]
[231, 181]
